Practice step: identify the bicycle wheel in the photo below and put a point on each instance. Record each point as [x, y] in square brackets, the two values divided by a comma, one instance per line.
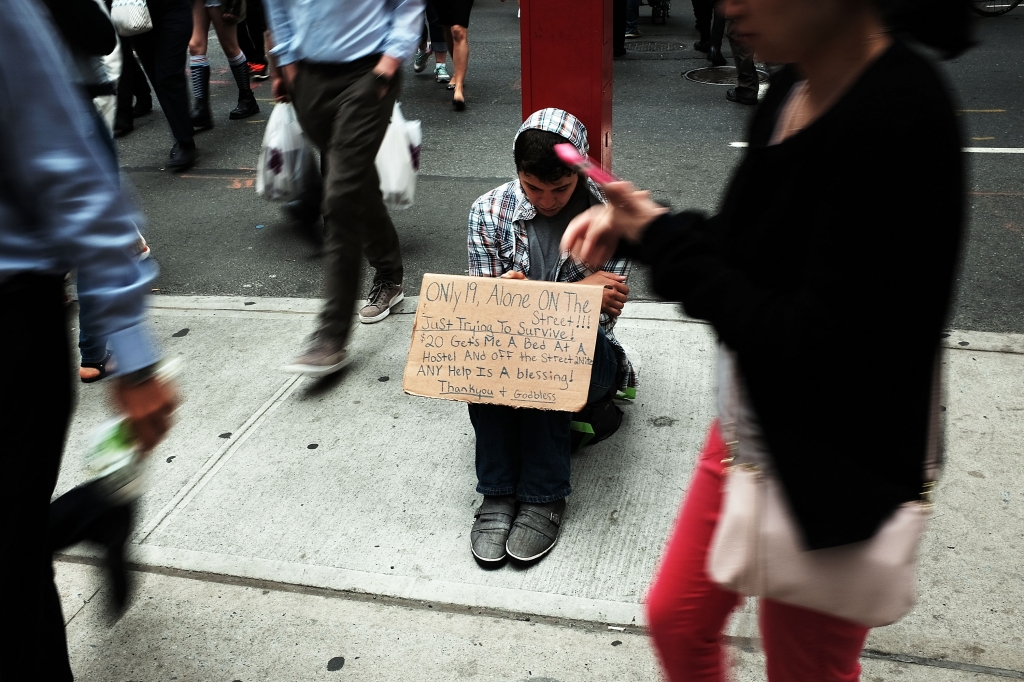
[993, 8]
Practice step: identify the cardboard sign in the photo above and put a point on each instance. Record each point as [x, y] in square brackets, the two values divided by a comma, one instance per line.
[504, 341]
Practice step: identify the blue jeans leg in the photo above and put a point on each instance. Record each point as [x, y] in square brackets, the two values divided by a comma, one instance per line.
[632, 14]
[526, 451]
[604, 369]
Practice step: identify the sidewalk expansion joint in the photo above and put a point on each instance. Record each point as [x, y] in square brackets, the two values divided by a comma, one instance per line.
[748, 644]
[185, 495]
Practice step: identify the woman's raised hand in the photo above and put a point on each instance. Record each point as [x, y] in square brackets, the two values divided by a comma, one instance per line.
[594, 234]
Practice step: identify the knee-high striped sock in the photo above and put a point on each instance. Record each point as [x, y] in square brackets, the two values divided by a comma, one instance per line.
[240, 70]
[199, 64]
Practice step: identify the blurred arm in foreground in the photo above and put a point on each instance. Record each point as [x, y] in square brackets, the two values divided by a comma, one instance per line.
[60, 208]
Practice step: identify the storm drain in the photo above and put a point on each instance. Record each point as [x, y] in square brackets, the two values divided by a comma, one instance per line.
[719, 75]
[653, 46]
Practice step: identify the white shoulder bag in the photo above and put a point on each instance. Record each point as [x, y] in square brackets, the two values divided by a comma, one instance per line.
[757, 549]
[131, 17]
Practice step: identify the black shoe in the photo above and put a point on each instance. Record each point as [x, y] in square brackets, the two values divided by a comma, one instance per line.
[202, 117]
[491, 526]
[181, 158]
[535, 530]
[123, 126]
[733, 95]
[715, 56]
[246, 107]
[702, 45]
[306, 216]
[143, 105]
[458, 104]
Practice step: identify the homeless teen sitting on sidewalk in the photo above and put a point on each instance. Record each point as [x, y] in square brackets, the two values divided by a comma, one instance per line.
[514, 232]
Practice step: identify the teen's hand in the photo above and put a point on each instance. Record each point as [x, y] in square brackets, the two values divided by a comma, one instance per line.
[616, 291]
[594, 234]
[281, 84]
[514, 274]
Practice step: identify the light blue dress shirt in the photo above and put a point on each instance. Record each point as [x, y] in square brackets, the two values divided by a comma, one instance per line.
[61, 206]
[338, 31]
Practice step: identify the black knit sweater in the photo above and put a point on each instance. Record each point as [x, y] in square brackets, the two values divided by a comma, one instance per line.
[829, 270]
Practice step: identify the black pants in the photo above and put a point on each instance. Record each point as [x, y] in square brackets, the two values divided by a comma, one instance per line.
[747, 81]
[250, 32]
[33, 428]
[132, 83]
[163, 52]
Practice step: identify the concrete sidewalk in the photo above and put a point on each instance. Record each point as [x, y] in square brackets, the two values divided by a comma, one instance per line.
[290, 522]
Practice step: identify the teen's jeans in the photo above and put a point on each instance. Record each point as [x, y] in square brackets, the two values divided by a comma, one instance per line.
[526, 452]
[686, 611]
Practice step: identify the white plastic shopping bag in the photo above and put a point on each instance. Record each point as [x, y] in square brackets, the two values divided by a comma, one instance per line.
[285, 157]
[398, 160]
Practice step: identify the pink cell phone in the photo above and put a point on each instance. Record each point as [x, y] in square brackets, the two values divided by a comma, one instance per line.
[572, 158]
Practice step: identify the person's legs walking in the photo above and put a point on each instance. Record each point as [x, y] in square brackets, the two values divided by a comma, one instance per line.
[702, 13]
[686, 611]
[250, 39]
[227, 35]
[632, 16]
[162, 52]
[33, 428]
[438, 43]
[806, 645]
[460, 57]
[717, 33]
[339, 108]
[199, 67]
[747, 82]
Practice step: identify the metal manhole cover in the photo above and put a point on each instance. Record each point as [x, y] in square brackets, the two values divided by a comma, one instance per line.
[653, 46]
[719, 75]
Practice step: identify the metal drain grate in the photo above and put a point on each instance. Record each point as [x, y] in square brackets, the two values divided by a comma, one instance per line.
[719, 75]
[653, 46]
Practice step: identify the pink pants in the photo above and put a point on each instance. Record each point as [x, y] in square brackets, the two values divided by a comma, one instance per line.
[687, 612]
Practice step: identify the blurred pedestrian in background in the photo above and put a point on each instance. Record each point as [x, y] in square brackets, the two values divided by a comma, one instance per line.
[162, 51]
[340, 65]
[203, 13]
[435, 34]
[252, 40]
[632, 17]
[454, 16]
[848, 205]
[133, 96]
[61, 208]
[748, 82]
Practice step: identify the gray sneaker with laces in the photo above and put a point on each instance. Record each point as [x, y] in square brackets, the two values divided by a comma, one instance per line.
[383, 297]
[535, 530]
[323, 356]
[441, 73]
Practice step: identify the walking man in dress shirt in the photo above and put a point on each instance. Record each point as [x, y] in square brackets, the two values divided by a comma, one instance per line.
[61, 207]
[339, 63]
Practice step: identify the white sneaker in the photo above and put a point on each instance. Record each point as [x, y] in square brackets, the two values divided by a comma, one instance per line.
[441, 74]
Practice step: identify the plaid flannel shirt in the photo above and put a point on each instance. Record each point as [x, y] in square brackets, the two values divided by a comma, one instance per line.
[498, 242]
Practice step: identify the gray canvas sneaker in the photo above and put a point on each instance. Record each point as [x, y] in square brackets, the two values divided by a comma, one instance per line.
[491, 525]
[535, 530]
[383, 297]
[323, 356]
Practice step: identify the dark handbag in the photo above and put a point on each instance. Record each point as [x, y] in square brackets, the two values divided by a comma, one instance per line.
[234, 11]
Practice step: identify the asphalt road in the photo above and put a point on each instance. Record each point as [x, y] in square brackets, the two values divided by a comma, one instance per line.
[211, 233]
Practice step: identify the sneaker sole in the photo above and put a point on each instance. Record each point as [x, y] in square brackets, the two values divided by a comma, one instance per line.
[534, 557]
[370, 320]
[316, 371]
[488, 561]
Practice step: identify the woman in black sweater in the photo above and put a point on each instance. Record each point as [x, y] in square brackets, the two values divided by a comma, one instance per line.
[846, 212]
